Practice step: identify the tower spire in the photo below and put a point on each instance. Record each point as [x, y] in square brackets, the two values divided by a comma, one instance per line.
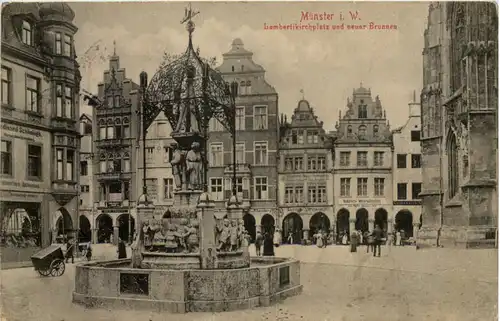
[303, 95]
[114, 47]
[189, 14]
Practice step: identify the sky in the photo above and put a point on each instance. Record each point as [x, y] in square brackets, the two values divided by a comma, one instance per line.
[326, 64]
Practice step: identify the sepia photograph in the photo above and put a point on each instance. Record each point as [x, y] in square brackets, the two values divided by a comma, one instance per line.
[262, 160]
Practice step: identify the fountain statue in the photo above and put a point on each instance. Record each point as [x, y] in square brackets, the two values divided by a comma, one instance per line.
[189, 260]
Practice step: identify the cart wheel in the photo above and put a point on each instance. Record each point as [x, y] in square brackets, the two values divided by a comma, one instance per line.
[57, 267]
[44, 272]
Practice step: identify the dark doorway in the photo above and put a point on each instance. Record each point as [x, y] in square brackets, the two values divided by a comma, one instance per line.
[126, 227]
[104, 228]
[85, 234]
[249, 222]
[267, 223]
[342, 224]
[64, 223]
[404, 222]
[319, 222]
[292, 226]
[362, 220]
[381, 219]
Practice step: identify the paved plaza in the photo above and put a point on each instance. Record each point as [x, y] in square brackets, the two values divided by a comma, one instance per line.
[403, 284]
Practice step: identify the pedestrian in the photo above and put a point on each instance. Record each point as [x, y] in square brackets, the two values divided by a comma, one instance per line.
[258, 243]
[369, 242]
[390, 237]
[354, 241]
[403, 238]
[88, 253]
[344, 238]
[122, 250]
[277, 238]
[398, 238]
[377, 239]
[319, 239]
[70, 250]
[324, 235]
[290, 237]
[268, 245]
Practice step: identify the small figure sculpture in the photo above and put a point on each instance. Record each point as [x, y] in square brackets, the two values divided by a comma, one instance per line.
[224, 235]
[191, 237]
[171, 244]
[137, 248]
[182, 231]
[146, 232]
[194, 166]
[234, 236]
[177, 165]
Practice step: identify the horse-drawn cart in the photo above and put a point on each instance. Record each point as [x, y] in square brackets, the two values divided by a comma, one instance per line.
[49, 261]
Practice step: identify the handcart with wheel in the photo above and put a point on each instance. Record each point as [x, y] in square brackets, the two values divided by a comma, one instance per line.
[49, 261]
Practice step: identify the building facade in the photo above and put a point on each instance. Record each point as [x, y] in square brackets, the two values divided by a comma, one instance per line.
[363, 166]
[256, 143]
[407, 174]
[305, 175]
[459, 125]
[115, 131]
[86, 209]
[159, 177]
[39, 119]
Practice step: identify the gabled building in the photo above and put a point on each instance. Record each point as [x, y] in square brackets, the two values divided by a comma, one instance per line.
[363, 166]
[115, 131]
[459, 125]
[39, 128]
[407, 174]
[305, 175]
[256, 147]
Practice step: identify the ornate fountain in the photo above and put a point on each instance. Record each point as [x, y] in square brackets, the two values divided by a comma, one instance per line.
[189, 260]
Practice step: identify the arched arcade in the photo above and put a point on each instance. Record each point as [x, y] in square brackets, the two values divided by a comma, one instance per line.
[292, 229]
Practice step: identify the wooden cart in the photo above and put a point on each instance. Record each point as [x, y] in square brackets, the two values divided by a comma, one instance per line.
[49, 261]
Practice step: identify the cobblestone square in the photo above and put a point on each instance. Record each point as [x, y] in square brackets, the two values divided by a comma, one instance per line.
[403, 284]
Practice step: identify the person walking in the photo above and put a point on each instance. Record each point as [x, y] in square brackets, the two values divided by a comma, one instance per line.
[122, 250]
[398, 238]
[290, 237]
[88, 252]
[378, 234]
[70, 250]
[268, 245]
[258, 243]
[369, 242]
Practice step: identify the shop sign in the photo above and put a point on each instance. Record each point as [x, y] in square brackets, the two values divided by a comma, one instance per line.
[359, 202]
[8, 196]
[20, 184]
[20, 132]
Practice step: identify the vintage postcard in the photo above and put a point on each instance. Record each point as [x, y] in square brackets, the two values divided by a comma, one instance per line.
[249, 161]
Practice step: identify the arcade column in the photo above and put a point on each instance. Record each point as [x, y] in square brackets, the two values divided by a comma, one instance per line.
[258, 228]
[305, 236]
[389, 226]
[371, 224]
[116, 234]
[415, 230]
[95, 233]
[352, 225]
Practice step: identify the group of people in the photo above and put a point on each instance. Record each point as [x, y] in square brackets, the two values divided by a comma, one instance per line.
[267, 242]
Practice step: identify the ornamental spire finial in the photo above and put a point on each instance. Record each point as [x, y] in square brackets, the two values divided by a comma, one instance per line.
[189, 14]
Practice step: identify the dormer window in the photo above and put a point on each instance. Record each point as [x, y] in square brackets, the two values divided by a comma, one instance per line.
[362, 112]
[27, 33]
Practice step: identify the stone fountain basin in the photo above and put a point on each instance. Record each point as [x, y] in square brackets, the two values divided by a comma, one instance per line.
[114, 284]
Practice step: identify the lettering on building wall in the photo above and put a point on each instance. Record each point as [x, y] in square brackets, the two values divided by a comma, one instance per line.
[19, 195]
[358, 202]
[19, 184]
[20, 132]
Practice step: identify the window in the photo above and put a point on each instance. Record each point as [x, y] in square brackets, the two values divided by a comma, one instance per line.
[402, 192]
[102, 132]
[59, 101]
[167, 154]
[60, 164]
[294, 137]
[215, 125]
[401, 160]
[110, 132]
[362, 131]
[216, 154]
[311, 164]
[416, 161]
[248, 85]
[312, 194]
[84, 170]
[111, 102]
[260, 188]
[345, 187]
[300, 138]
[298, 164]
[6, 83]
[168, 188]
[118, 132]
[87, 129]
[260, 153]
[27, 33]
[260, 117]
[289, 194]
[126, 190]
[362, 186]
[6, 158]
[70, 157]
[240, 153]
[126, 164]
[312, 137]
[58, 43]
[84, 188]
[453, 170]
[149, 154]
[362, 112]
[67, 45]
[317, 194]
[345, 158]
[362, 158]
[288, 163]
[152, 185]
[415, 135]
[240, 118]
[379, 186]
[103, 166]
[321, 163]
[416, 188]
[161, 129]
[378, 159]
[126, 131]
[32, 93]
[216, 189]
[68, 102]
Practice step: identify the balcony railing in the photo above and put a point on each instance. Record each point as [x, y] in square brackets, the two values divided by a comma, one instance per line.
[111, 142]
